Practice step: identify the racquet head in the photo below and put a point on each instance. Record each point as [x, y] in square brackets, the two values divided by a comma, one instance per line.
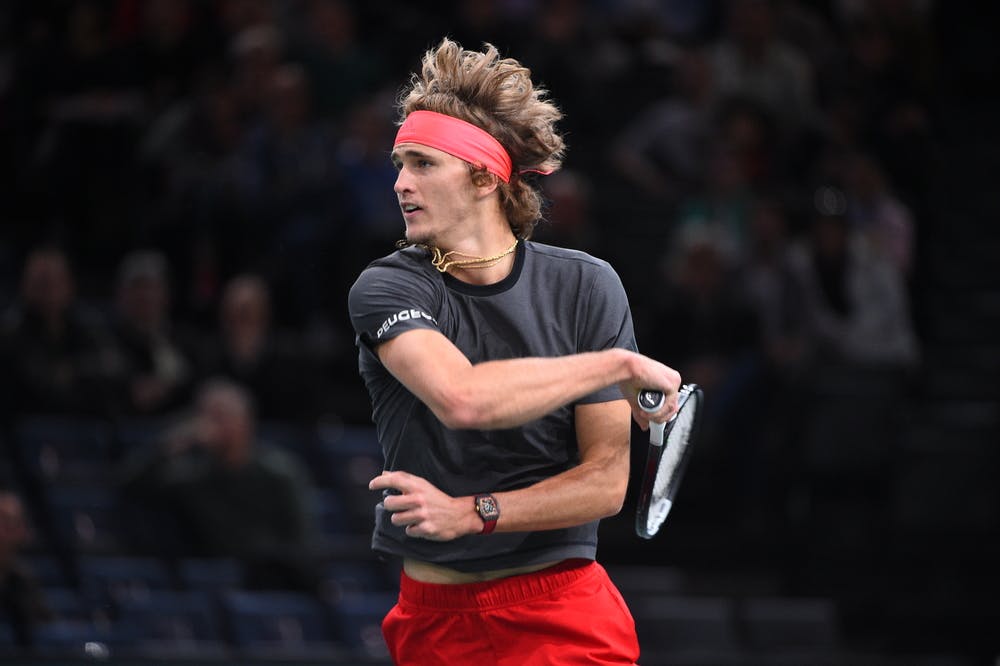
[669, 450]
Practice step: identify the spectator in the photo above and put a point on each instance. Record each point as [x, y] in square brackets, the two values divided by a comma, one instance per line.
[160, 358]
[22, 603]
[662, 152]
[343, 66]
[59, 353]
[252, 353]
[881, 218]
[225, 494]
[293, 186]
[721, 208]
[719, 327]
[856, 309]
[751, 61]
[769, 283]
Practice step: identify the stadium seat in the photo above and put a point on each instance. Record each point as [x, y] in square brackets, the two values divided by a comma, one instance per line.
[213, 574]
[343, 579]
[86, 517]
[331, 514]
[67, 604]
[686, 623]
[166, 615]
[353, 456]
[77, 639]
[119, 578]
[47, 570]
[358, 620]
[277, 622]
[65, 449]
[789, 623]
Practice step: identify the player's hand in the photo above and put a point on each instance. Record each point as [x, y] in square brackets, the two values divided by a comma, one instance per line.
[650, 374]
[426, 512]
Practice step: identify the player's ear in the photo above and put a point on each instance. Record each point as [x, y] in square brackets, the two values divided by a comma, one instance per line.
[484, 181]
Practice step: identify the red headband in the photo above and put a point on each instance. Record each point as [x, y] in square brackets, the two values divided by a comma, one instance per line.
[456, 137]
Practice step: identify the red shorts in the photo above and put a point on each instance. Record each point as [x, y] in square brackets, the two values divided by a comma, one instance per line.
[570, 613]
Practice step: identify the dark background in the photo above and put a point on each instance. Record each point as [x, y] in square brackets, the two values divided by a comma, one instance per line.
[843, 502]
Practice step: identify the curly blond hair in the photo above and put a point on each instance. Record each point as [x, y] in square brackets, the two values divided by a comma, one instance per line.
[495, 94]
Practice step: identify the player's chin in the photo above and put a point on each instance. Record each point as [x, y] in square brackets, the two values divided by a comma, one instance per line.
[418, 234]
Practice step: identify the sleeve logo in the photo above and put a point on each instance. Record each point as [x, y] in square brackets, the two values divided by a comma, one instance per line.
[402, 315]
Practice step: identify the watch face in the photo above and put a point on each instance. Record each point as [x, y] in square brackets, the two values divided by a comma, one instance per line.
[487, 507]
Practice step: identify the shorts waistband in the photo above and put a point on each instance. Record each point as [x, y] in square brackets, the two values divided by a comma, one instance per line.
[496, 593]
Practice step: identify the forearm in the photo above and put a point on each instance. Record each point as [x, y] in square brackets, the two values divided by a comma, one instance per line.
[588, 492]
[509, 393]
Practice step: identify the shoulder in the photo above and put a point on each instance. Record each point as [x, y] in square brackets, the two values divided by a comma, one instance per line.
[406, 268]
[559, 265]
[569, 259]
[408, 259]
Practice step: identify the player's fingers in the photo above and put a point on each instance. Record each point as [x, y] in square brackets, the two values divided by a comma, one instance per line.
[397, 503]
[408, 518]
[401, 481]
[641, 417]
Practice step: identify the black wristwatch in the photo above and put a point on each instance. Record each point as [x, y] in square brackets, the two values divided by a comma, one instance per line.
[488, 510]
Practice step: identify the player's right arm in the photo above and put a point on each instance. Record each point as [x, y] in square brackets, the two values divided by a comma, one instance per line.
[511, 392]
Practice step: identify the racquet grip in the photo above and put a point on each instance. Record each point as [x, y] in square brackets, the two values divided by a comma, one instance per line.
[650, 400]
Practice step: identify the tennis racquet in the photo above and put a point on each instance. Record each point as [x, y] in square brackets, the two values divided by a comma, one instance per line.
[669, 451]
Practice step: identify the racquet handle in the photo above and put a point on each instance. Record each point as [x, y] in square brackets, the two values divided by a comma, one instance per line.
[650, 400]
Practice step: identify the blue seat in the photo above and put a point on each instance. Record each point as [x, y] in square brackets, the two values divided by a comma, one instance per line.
[138, 432]
[171, 616]
[86, 516]
[67, 604]
[77, 639]
[213, 574]
[286, 620]
[59, 448]
[331, 514]
[353, 457]
[350, 439]
[47, 570]
[359, 622]
[118, 579]
[342, 579]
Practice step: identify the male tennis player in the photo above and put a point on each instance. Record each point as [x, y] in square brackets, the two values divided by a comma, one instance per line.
[502, 375]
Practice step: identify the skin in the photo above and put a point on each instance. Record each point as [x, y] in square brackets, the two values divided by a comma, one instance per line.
[453, 213]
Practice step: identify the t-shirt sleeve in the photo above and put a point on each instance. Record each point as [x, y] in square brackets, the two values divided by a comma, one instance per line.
[386, 301]
[607, 324]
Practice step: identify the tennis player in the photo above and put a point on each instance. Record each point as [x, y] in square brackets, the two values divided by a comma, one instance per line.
[502, 374]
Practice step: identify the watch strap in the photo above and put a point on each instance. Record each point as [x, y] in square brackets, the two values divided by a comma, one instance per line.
[488, 510]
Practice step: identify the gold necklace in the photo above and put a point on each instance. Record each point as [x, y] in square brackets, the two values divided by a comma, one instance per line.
[440, 261]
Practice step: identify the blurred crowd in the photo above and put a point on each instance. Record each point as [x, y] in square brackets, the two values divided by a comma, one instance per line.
[189, 187]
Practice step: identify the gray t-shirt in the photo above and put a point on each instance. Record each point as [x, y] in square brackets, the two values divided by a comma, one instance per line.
[554, 302]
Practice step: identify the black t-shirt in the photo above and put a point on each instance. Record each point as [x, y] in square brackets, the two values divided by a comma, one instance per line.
[555, 302]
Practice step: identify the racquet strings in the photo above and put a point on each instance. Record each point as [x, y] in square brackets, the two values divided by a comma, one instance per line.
[674, 446]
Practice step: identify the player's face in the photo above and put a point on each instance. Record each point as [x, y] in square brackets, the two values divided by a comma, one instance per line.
[435, 193]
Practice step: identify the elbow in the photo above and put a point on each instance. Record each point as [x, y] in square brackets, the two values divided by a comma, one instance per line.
[457, 411]
[614, 496]
[612, 500]
[613, 504]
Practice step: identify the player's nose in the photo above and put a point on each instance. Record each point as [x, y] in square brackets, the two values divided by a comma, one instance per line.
[404, 183]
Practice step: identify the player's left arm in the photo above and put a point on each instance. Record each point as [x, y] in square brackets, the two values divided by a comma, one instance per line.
[593, 489]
